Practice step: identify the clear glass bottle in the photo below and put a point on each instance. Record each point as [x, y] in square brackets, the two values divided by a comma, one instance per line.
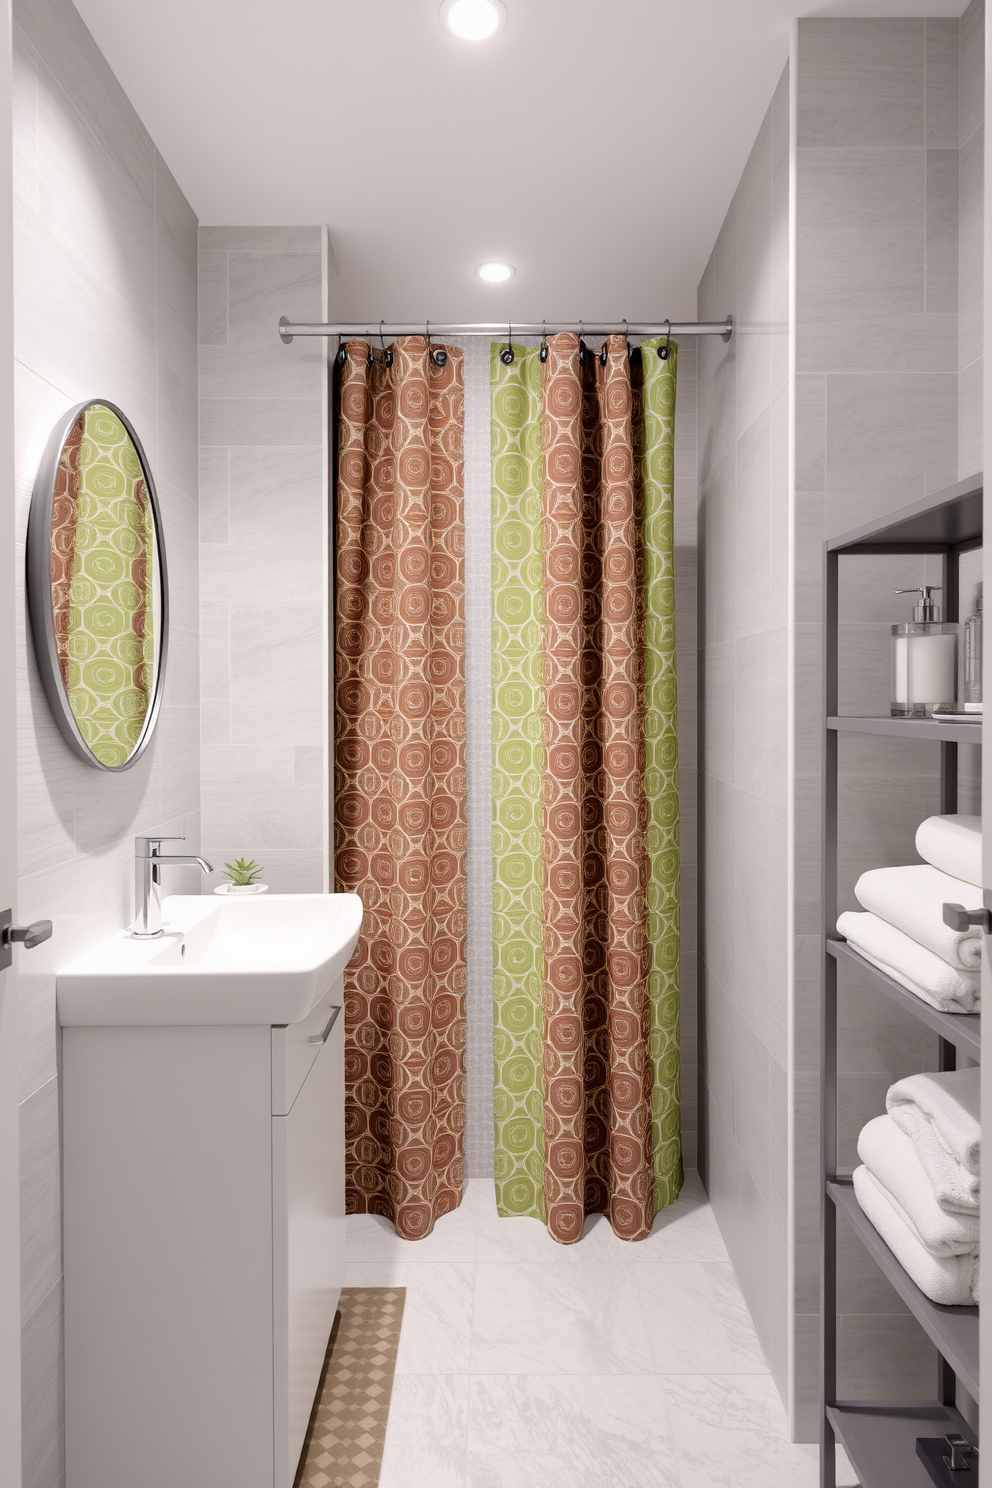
[973, 652]
[924, 659]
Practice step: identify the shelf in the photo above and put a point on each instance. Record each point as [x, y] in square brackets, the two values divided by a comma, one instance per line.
[911, 728]
[944, 519]
[963, 1030]
[953, 1330]
[880, 1438]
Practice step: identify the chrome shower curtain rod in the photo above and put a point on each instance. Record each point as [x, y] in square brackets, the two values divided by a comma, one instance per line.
[722, 328]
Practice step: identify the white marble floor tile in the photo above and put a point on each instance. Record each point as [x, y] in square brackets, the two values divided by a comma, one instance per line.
[683, 1319]
[748, 1355]
[730, 1432]
[436, 1335]
[535, 1318]
[372, 1239]
[569, 1431]
[426, 1437]
[846, 1476]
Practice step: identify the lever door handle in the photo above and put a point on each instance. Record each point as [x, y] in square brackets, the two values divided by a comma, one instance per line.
[28, 936]
[321, 1038]
[956, 917]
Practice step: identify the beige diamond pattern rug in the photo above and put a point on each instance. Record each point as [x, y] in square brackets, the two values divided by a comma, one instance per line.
[347, 1430]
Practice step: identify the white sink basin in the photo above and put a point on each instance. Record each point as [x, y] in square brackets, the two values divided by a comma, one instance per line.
[262, 959]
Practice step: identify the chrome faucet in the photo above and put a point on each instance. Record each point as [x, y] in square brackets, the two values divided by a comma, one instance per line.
[149, 860]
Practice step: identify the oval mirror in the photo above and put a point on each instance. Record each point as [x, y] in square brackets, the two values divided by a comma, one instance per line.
[97, 586]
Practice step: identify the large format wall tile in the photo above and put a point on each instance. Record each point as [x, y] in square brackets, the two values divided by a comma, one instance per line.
[105, 289]
[264, 623]
[861, 83]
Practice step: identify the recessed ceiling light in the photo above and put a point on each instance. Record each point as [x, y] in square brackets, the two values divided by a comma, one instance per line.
[473, 20]
[495, 273]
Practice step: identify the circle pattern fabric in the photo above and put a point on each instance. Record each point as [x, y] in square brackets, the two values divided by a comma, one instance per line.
[399, 830]
[518, 772]
[583, 601]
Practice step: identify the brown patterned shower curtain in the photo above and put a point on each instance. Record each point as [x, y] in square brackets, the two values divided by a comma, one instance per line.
[399, 829]
[597, 1073]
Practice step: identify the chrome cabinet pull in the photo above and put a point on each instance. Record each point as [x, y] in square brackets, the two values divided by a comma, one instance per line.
[321, 1038]
[28, 936]
[956, 917]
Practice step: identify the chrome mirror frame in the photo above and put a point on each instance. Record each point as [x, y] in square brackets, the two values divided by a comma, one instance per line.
[39, 589]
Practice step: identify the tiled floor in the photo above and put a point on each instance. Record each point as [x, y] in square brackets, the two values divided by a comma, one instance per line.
[526, 1364]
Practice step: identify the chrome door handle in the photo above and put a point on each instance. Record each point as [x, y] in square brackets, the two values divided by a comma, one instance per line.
[28, 936]
[956, 917]
[321, 1038]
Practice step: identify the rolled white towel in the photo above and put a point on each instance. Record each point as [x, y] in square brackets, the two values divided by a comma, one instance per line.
[912, 899]
[944, 1279]
[890, 1157]
[930, 977]
[951, 1101]
[953, 844]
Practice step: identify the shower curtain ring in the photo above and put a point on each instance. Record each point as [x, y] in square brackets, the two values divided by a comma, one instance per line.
[342, 352]
[545, 349]
[387, 351]
[435, 354]
[506, 356]
[665, 351]
[582, 344]
[626, 337]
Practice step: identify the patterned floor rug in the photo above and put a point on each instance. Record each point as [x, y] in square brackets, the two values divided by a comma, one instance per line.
[347, 1431]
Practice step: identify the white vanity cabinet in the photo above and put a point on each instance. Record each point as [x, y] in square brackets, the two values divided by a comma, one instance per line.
[204, 1247]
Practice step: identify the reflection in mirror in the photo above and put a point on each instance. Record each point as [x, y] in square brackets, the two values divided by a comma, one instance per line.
[96, 585]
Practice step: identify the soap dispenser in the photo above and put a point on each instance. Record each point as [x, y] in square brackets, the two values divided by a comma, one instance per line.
[924, 659]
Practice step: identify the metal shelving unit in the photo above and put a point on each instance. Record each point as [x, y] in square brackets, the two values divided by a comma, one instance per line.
[880, 1437]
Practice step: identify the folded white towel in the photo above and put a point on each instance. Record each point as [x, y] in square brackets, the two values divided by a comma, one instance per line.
[930, 977]
[890, 1157]
[953, 844]
[912, 899]
[954, 1187]
[976, 1279]
[951, 1101]
[945, 1279]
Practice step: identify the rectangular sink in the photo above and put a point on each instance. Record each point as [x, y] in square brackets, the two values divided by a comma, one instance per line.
[265, 958]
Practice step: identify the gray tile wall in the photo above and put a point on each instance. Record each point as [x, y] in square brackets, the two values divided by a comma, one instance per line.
[105, 290]
[888, 347]
[264, 533]
[743, 523]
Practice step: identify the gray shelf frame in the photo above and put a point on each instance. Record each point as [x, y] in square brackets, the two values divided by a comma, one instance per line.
[881, 1438]
[953, 1330]
[940, 730]
[963, 1030]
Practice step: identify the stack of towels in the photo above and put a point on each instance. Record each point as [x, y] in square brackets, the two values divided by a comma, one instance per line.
[903, 932]
[919, 1185]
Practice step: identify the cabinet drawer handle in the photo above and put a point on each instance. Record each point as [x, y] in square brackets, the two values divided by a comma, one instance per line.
[321, 1038]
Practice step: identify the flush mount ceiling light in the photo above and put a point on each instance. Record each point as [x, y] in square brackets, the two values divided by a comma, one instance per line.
[473, 20]
[495, 273]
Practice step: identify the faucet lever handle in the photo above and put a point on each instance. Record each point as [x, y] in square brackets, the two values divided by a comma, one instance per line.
[144, 846]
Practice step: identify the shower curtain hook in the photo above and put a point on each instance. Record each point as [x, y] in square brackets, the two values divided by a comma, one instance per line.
[387, 351]
[545, 349]
[342, 352]
[506, 356]
[582, 344]
[626, 337]
[665, 351]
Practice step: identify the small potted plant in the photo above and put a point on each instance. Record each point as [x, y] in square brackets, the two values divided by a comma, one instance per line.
[242, 878]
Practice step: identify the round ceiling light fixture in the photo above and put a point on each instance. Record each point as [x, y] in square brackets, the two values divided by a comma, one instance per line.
[473, 20]
[495, 273]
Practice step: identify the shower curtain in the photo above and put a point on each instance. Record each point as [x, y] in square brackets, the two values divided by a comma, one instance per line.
[399, 828]
[585, 786]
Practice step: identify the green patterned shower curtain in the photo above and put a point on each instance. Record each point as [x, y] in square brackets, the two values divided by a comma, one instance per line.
[585, 786]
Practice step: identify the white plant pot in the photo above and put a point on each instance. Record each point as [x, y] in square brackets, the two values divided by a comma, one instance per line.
[229, 888]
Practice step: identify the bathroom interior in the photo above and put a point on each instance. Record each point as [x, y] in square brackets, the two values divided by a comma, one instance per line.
[544, 596]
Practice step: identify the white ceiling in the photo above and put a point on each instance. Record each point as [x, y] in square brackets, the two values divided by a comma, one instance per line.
[595, 144]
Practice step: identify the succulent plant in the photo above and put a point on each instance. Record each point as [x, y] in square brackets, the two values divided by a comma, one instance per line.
[242, 872]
